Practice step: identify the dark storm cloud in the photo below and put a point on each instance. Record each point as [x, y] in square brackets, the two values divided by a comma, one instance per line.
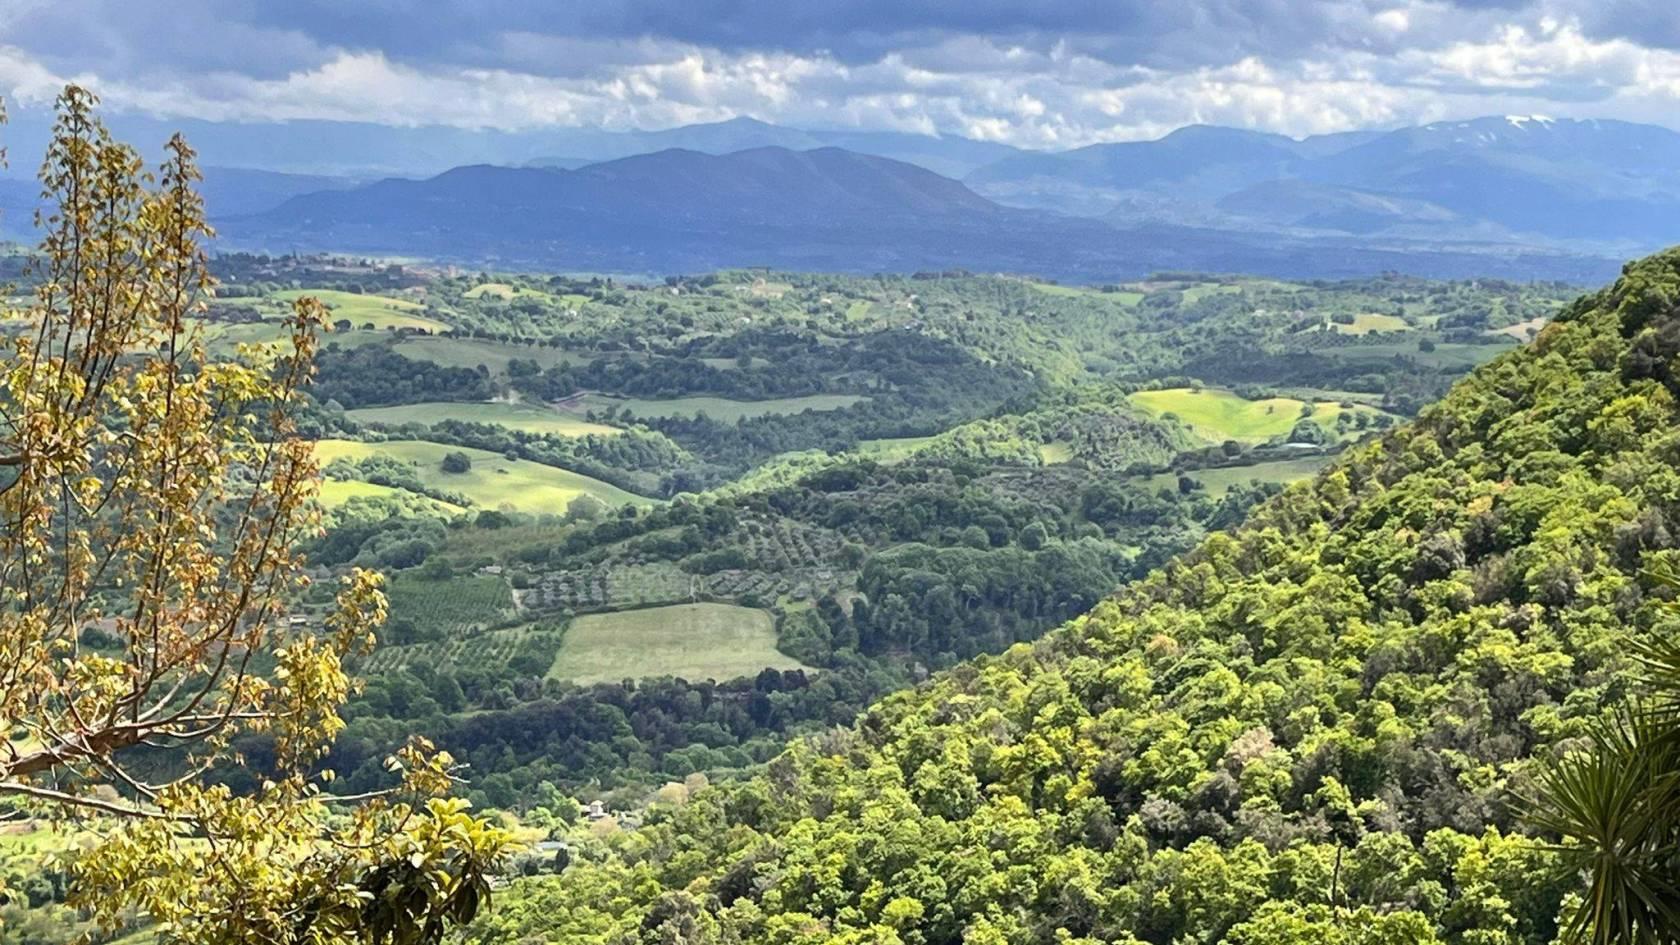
[1156, 33]
[1647, 22]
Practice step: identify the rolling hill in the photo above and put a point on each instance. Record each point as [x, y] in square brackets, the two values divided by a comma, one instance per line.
[1317, 727]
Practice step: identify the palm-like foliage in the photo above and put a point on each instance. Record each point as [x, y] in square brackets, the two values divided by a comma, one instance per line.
[1617, 806]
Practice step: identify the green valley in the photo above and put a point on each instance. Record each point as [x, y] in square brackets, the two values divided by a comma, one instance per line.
[1318, 726]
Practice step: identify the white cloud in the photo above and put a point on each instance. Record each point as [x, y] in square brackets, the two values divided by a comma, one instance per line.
[1061, 94]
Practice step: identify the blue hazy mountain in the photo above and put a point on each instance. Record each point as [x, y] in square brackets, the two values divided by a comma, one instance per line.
[1602, 185]
[821, 209]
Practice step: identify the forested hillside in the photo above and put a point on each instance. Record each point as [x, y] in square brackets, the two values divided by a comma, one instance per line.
[1318, 727]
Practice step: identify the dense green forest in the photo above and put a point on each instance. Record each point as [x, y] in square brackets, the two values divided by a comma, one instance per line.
[1319, 726]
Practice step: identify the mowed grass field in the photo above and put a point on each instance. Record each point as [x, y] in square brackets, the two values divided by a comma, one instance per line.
[1367, 323]
[717, 408]
[1219, 415]
[380, 311]
[693, 641]
[525, 417]
[492, 482]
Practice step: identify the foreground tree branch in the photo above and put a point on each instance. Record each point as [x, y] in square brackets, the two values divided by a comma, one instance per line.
[152, 497]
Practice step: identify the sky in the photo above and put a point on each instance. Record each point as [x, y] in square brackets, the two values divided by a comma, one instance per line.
[1040, 75]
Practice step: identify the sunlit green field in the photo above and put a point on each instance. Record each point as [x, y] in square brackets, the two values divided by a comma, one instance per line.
[693, 641]
[717, 408]
[1218, 415]
[493, 481]
[1366, 323]
[525, 417]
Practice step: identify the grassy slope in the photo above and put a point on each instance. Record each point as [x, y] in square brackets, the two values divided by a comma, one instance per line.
[1220, 415]
[493, 481]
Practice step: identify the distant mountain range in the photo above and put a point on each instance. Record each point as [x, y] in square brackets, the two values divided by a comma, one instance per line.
[1496, 196]
[1597, 186]
[822, 209]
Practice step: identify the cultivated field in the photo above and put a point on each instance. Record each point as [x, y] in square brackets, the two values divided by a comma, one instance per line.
[717, 408]
[694, 641]
[1218, 415]
[524, 417]
[452, 606]
[611, 586]
[493, 650]
[493, 481]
